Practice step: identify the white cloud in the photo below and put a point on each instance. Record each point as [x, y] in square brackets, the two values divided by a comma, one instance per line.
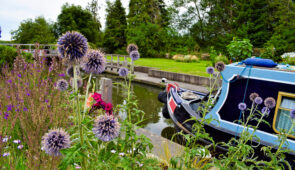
[13, 12]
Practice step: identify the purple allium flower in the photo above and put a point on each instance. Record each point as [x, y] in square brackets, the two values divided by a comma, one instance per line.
[70, 71]
[79, 82]
[6, 154]
[220, 66]
[16, 141]
[94, 62]
[62, 85]
[54, 141]
[258, 100]
[25, 109]
[131, 47]
[72, 46]
[61, 75]
[210, 70]
[270, 102]
[106, 128]
[20, 146]
[265, 110]
[123, 72]
[242, 106]
[253, 96]
[134, 55]
[292, 114]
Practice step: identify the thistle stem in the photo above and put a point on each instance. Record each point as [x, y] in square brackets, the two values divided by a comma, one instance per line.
[285, 137]
[86, 95]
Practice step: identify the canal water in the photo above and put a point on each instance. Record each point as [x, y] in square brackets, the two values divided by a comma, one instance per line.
[147, 97]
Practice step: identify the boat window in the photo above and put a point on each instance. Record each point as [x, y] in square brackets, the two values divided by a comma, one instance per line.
[282, 120]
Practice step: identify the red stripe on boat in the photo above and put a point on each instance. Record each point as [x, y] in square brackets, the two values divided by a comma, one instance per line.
[172, 104]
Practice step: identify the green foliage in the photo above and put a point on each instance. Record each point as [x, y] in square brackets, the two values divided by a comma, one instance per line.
[31, 31]
[116, 24]
[239, 49]
[268, 52]
[27, 56]
[289, 60]
[75, 18]
[7, 55]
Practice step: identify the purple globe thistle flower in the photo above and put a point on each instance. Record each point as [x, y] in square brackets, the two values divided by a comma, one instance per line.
[210, 70]
[106, 127]
[123, 72]
[242, 106]
[270, 102]
[54, 141]
[292, 114]
[94, 62]
[258, 100]
[253, 96]
[134, 55]
[72, 46]
[79, 82]
[265, 110]
[62, 85]
[70, 71]
[220, 66]
[132, 47]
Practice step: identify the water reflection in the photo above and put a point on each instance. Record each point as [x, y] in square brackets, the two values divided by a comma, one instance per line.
[147, 102]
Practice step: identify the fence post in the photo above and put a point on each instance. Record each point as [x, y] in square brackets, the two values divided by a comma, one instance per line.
[112, 62]
[118, 62]
[106, 89]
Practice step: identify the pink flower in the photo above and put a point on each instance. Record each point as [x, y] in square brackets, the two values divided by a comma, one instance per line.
[96, 97]
[109, 107]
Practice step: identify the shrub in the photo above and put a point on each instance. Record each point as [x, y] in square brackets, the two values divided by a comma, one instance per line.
[7, 55]
[289, 60]
[27, 56]
[194, 58]
[187, 58]
[268, 52]
[239, 49]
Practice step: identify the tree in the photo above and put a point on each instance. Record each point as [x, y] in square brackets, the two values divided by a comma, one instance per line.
[93, 7]
[116, 25]
[31, 31]
[74, 18]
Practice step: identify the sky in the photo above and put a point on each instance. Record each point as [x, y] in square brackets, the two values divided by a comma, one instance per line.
[13, 12]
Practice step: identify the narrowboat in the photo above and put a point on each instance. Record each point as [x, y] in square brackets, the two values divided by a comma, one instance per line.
[238, 82]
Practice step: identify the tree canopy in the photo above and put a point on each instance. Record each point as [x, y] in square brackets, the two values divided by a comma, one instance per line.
[31, 31]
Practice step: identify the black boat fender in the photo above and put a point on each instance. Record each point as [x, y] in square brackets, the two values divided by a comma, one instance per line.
[162, 97]
[165, 111]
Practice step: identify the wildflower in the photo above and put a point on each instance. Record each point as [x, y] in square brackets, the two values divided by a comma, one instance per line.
[61, 75]
[54, 141]
[113, 151]
[134, 55]
[242, 106]
[25, 109]
[19, 75]
[72, 46]
[5, 139]
[20, 146]
[109, 108]
[6, 154]
[121, 154]
[270, 102]
[28, 94]
[123, 72]
[6, 115]
[94, 62]
[46, 101]
[78, 167]
[16, 141]
[106, 128]
[131, 47]
[79, 82]
[89, 100]
[253, 96]
[9, 107]
[210, 70]
[70, 71]
[258, 100]
[292, 114]
[9, 81]
[62, 85]
[220, 66]
[265, 110]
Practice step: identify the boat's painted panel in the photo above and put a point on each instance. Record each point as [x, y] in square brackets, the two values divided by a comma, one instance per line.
[232, 71]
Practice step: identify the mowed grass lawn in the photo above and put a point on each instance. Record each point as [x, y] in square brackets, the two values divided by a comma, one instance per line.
[173, 66]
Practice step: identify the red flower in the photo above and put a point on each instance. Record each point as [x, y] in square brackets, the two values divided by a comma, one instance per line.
[109, 107]
[96, 97]
[102, 104]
